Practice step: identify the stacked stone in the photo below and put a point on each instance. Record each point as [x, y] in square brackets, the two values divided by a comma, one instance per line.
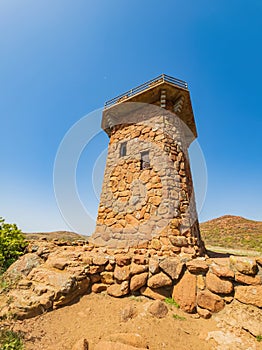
[198, 285]
[155, 204]
[48, 280]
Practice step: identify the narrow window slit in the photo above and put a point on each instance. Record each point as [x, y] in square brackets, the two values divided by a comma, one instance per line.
[123, 149]
[144, 162]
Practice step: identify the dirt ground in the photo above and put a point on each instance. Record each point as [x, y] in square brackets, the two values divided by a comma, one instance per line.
[96, 317]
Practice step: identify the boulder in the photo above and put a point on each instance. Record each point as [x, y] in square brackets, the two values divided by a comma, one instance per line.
[197, 266]
[210, 301]
[24, 265]
[118, 290]
[204, 313]
[65, 298]
[158, 309]
[179, 241]
[122, 273]
[60, 280]
[138, 281]
[249, 295]
[172, 267]
[155, 293]
[62, 284]
[137, 268]
[107, 277]
[184, 292]
[159, 280]
[128, 313]
[221, 271]
[154, 265]
[245, 265]
[217, 285]
[123, 259]
[99, 287]
[100, 260]
[246, 279]
[26, 304]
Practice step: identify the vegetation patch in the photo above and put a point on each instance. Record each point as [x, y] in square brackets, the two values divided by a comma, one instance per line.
[171, 301]
[136, 298]
[10, 340]
[259, 338]
[7, 283]
[177, 317]
[12, 244]
[233, 232]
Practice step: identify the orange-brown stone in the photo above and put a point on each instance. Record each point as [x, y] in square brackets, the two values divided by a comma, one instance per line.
[184, 292]
[130, 219]
[217, 285]
[210, 301]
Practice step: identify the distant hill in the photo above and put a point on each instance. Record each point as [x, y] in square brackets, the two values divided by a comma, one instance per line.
[226, 231]
[59, 235]
[233, 232]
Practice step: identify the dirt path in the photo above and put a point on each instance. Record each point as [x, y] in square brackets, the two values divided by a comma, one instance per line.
[97, 317]
[231, 251]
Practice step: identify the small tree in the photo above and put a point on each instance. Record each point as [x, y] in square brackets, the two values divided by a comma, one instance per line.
[12, 244]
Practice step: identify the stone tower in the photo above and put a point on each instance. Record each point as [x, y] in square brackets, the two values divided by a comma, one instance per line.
[147, 197]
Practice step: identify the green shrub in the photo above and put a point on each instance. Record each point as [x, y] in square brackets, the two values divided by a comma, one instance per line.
[171, 301]
[8, 282]
[259, 338]
[12, 244]
[10, 340]
[177, 317]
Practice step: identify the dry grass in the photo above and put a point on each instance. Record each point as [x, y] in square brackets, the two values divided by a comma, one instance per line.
[233, 232]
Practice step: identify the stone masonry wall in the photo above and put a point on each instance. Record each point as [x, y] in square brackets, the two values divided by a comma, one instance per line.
[51, 276]
[153, 207]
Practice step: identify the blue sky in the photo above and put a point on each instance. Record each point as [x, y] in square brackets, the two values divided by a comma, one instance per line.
[61, 60]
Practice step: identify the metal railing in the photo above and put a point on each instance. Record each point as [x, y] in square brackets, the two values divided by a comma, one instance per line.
[145, 86]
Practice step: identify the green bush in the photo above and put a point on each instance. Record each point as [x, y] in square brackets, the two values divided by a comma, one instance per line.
[12, 244]
[171, 301]
[10, 340]
[259, 338]
[177, 317]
